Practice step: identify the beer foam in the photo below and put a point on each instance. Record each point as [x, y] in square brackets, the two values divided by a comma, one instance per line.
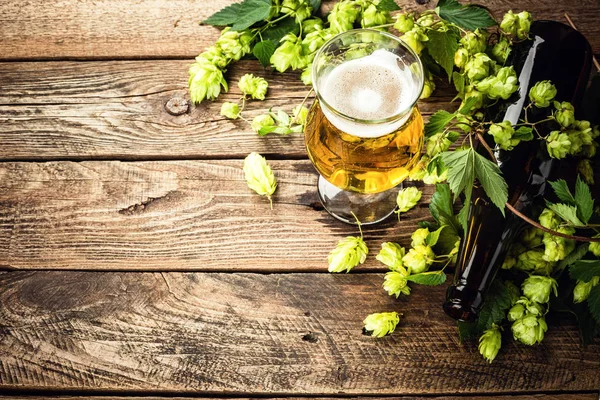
[374, 87]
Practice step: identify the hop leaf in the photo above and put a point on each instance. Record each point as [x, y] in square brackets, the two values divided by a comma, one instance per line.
[408, 198]
[259, 176]
[348, 253]
[253, 86]
[490, 342]
[381, 324]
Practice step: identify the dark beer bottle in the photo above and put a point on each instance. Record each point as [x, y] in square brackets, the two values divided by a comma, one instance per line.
[555, 52]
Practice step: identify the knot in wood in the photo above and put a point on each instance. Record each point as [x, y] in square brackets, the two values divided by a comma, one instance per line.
[177, 106]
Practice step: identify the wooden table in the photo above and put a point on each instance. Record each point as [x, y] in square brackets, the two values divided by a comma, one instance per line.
[137, 263]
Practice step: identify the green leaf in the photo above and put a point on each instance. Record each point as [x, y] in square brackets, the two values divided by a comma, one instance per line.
[490, 177]
[430, 64]
[447, 241]
[497, 301]
[387, 5]
[225, 16]
[263, 52]
[461, 170]
[469, 17]
[441, 47]
[584, 200]
[431, 278]
[585, 270]
[524, 133]
[442, 209]
[594, 303]
[562, 192]
[316, 5]
[468, 106]
[463, 216]
[437, 122]
[282, 28]
[573, 256]
[433, 237]
[459, 82]
[568, 213]
[250, 12]
[467, 331]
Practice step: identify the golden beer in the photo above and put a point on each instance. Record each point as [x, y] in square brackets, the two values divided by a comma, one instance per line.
[365, 165]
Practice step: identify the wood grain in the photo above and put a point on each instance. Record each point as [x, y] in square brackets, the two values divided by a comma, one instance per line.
[116, 110]
[178, 215]
[257, 334]
[103, 29]
[567, 396]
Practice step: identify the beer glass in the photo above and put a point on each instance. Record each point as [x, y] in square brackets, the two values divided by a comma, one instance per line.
[364, 132]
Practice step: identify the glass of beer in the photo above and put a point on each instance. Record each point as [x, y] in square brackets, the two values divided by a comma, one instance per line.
[364, 132]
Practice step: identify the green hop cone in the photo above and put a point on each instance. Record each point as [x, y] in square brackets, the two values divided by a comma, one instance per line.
[391, 255]
[530, 329]
[556, 248]
[418, 259]
[416, 39]
[584, 168]
[253, 86]
[234, 45]
[565, 113]
[461, 57]
[524, 21]
[558, 144]
[538, 288]
[548, 219]
[436, 144]
[259, 176]
[419, 237]
[475, 42]
[348, 253]
[490, 342]
[582, 290]
[509, 23]
[215, 56]
[581, 137]
[342, 16]
[531, 307]
[428, 88]
[503, 135]
[595, 247]
[300, 114]
[433, 177]
[306, 76]
[516, 312]
[262, 121]
[471, 92]
[478, 67]
[404, 22]
[408, 198]
[395, 283]
[381, 324]
[371, 16]
[532, 237]
[501, 50]
[289, 54]
[206, 81]
[533, 261]
[312, 25]
[299, 9]
[502, 85]
[230, 110]
[509, 262]
[313, 42]
[542, 93]
[426, 20]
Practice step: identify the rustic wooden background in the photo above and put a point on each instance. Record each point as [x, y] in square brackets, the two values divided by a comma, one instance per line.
[138, 265]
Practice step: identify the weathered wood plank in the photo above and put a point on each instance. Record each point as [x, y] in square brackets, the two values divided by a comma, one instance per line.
[178, 215]
[116, 110]
[574, 396]
[257, 334]
[159, 29]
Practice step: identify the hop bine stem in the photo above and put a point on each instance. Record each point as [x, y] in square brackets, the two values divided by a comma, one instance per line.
[525, 217]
